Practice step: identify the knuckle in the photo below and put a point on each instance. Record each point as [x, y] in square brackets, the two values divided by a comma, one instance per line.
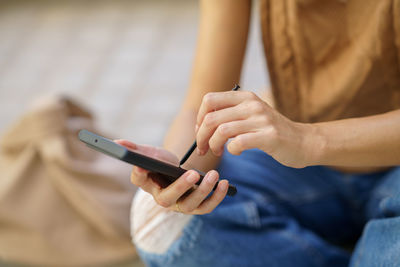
[214, 145]
[204, 190]
[256, 106]
[186, 209]
[223, 130]
[208, 98]
[273, 132]
[264, 120]
[162, 201]
[209, 120]
[182, 186]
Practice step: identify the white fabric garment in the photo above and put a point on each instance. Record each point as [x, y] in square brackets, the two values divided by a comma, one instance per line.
[153, 227]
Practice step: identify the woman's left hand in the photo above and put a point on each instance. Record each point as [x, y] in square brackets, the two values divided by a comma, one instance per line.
[252, 123]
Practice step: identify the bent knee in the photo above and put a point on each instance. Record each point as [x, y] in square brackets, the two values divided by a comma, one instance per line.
[154, 228]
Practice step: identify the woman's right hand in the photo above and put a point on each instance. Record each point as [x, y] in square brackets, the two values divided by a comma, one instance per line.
[177, 196]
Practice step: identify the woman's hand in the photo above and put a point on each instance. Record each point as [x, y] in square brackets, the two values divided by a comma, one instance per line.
[191, 199]
[252, 123]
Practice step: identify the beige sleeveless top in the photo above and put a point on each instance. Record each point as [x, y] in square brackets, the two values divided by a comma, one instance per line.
[333, 59]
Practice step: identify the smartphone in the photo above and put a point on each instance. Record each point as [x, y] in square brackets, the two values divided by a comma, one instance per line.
[163, 173]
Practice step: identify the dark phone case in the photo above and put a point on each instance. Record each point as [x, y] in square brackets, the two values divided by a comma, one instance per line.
[168, 171]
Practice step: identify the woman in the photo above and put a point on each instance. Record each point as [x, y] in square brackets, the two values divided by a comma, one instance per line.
[335, 72]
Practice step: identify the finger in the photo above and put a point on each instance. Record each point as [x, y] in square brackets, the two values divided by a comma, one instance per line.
[158, 153]
[146, 181]
[147, 150]
[212, 202]
[144, 149]
[191, 202]
[126, 144]
[245, 141]
[139, 176]
[221, 100]
[150, 151]
[212, 120]
[229, 130]
[170, 195]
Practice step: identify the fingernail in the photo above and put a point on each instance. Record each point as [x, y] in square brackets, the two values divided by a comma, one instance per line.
[192, 177]
[196, 128]
[211, 178]
[223, 186]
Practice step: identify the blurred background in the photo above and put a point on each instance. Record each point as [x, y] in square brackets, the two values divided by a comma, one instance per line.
[127, 61]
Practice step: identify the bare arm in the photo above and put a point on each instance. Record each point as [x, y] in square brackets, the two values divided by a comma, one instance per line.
[220, 50]
[221, 45]
[372, 141]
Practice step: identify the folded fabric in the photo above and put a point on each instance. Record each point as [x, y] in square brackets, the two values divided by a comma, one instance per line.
[60, 202]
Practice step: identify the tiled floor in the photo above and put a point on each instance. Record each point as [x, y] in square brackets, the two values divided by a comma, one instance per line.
[128, 61]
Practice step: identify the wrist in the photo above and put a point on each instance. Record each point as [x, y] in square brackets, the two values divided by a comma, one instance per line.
[314, 144]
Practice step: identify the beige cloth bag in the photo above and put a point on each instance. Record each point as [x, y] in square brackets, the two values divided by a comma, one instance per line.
[61, 204]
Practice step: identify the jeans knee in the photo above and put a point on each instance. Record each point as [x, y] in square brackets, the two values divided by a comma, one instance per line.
[154, 228]
[385, 200]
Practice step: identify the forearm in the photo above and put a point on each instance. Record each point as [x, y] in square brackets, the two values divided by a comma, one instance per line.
[222, 38]
[221, 45]
[360, 142]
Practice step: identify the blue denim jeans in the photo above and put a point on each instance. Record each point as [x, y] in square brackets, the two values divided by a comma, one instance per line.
[292, 217]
